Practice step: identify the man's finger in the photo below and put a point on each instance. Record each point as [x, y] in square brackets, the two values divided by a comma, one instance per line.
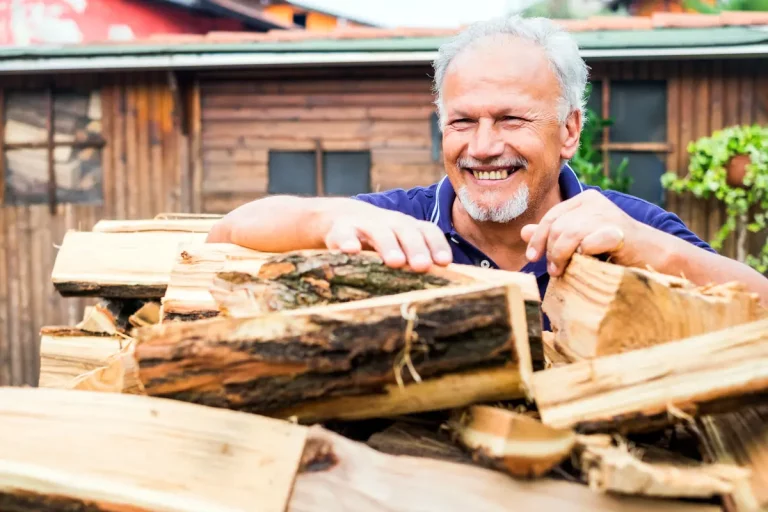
[412, 241]
[438, 245]
[384, 242]
[344, 238]
[538, 241]
[527, 232]
[604, 240]
[560, 250]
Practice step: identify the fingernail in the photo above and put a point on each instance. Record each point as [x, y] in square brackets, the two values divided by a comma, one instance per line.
[531, 253]
[419, 260]
[444, 256]
[394, 254]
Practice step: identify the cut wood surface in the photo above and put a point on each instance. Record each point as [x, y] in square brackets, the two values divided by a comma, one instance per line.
[67, 353]
[192, 225]
[444, 392]
[98, 319]
[118, 453]
[284, 359]
[740, 437]
[403, 438]
[124, 265]
[343, 475]
[599, 308]
[654, 386]
[510, 441]
[616, 469]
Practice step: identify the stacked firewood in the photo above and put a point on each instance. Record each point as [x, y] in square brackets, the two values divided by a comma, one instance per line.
[646, 387]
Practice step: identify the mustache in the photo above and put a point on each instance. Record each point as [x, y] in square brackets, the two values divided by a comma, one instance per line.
[469, 162]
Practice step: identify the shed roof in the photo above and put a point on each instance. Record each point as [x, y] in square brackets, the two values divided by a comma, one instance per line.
[662, 35]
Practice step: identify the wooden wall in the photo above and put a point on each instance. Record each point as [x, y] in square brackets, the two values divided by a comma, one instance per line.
[142, 163]
[386, 111]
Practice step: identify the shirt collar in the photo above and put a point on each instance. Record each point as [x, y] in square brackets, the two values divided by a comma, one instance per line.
[570, 186]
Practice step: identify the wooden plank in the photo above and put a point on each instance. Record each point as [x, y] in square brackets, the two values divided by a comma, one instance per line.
[38, 281]
[231, 101]
[145, 185]
[67, 353]
[5, 311]
[732, 84]
[687, 98]
[132, 182]
[135, 265]
[107, 153]
[309, 86]
[50, 133]
[365, 480]
[249, 461]
[351, 113]
[701, 128]
[674, 92]
[119, 110]
[599, 308]
[761, 89]
[196, 146]
[653, 387]
[158, 183]
[715, 209]
[14, 292]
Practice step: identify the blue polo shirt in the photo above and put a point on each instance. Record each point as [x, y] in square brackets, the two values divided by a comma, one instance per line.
[435, 202]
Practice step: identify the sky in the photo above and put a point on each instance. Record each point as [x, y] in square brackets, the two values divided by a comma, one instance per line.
[416, 13]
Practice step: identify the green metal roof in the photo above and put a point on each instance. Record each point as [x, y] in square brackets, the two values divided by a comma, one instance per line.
[594, 40]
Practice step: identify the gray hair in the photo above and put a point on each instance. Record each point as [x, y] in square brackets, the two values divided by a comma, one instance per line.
[560, 47]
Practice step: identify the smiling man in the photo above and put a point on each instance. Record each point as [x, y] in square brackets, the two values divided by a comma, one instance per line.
[510, 101]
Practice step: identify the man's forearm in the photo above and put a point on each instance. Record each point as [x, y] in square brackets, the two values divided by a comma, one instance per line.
[281, 223]
[675, 256]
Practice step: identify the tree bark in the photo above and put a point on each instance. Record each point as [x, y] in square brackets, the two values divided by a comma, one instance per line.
[270, 362]
[656, 386]
[599, 308]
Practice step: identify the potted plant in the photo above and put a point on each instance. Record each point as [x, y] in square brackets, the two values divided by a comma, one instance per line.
[732, 166]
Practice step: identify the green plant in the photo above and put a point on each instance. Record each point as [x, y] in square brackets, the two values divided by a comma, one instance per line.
[726, 5]
[588, 160]
[708, 177]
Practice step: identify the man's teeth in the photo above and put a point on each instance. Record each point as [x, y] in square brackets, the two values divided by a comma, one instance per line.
[491, 175]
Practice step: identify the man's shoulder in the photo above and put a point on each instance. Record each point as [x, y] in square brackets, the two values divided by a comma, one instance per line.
[417, 202]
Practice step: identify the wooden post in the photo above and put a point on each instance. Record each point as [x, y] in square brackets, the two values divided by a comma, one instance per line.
[319, 167]
[51, 127]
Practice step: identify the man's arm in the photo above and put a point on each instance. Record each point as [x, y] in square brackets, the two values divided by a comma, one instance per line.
[287, 223]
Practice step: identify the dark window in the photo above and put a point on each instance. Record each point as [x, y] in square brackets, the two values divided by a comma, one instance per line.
[437, 137]
[292, 172]
[300, 19]
[595, 98]
[73, 147]
[639, 111]
[346, 173]
[645, 169]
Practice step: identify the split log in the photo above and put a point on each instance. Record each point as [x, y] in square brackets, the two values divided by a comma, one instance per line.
[512, 442]
[98, 319]
[403, 438]
[146, 315]
[599, 308]
[740, 437]
[345, 475]
[617, 469]
[117, 265]
[67, 353]
[184, 225]
[106, 452]
[271, 362]
[659, 385]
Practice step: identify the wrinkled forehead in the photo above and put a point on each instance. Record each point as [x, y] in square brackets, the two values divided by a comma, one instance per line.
[501, 69]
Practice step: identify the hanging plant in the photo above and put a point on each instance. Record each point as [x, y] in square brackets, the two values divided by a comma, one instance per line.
[732, 166]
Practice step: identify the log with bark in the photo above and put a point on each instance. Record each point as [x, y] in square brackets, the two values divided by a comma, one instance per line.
[510, 441]
[649, 471]
[656, 386]
[739, 437]
[108, 452]
[598, 308]
[345, 475]
[118, 265]
[301, 357]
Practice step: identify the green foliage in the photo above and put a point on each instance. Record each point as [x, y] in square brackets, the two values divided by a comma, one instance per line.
[726, 5]
[588, 160]
[707, 174]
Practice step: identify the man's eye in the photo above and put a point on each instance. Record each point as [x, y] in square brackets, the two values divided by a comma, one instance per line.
[462, 120]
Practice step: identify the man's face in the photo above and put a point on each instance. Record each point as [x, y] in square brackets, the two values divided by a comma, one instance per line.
[502, 141]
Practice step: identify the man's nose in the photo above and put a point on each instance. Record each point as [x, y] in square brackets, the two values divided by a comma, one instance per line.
[486, 142]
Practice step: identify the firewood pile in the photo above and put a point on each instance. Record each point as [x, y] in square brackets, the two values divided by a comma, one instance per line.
[212, 377]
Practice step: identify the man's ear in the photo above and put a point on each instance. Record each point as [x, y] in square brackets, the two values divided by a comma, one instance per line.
[570, 133]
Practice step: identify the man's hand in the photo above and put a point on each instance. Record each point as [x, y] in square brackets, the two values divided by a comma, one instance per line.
[589, 224]
[398, 238]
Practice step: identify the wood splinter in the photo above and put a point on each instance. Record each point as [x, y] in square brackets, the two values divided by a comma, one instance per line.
[512, 442]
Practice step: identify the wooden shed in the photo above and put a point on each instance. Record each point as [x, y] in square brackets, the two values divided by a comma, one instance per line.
[135, 130]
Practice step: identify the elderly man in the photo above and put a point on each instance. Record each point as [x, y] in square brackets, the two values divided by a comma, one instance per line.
[510, 101]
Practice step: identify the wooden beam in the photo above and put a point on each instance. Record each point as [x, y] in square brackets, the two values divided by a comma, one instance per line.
[123, 265]
[599, 308]
[132, 440]
[652, 387]
[270, 362]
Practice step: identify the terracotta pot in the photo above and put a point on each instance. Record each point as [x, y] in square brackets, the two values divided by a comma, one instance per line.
[737, 168]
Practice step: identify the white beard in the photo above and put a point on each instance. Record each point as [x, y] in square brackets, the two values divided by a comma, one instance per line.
[506, 212]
